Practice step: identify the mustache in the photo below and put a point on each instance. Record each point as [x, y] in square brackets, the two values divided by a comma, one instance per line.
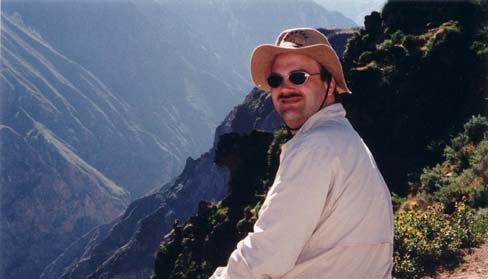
[290, 95]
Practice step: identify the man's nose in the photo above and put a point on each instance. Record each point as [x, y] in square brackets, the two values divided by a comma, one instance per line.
[287, 85]
[287, 88]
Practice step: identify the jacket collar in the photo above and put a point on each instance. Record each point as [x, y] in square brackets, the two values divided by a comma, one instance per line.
[334, 111]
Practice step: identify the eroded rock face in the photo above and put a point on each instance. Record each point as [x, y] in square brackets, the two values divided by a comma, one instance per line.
[79, 109]
[53, 198]
[50, 194]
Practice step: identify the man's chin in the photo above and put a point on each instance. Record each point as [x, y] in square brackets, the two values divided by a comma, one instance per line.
[292, 121]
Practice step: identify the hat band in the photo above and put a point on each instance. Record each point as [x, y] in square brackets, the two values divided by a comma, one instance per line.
[289, 45]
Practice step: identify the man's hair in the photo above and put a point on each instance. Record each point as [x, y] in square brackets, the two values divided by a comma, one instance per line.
[326, 76]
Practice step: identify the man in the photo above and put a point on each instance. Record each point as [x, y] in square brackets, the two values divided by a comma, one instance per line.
[328, 213]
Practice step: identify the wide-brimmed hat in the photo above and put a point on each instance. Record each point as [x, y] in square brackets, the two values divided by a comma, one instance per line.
[306, 41]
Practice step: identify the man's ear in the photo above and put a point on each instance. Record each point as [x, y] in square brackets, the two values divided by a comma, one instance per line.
[332, 86]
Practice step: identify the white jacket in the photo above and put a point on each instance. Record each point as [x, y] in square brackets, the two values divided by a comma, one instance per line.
[327, 215]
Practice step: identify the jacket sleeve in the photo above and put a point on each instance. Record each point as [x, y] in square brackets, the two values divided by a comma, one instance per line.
[287, 219]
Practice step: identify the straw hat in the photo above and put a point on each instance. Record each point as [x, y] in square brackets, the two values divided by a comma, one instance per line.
[306, 41]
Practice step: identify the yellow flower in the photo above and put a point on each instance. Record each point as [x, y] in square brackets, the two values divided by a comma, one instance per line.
[461, 207]
[420, 235]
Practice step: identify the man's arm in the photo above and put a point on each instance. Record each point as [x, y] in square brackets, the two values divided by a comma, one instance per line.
[287, 218]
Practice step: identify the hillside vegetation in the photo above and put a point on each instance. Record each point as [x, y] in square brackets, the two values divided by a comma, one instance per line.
[418, 76]
[446, 212]
[433, 226]
[418, 73]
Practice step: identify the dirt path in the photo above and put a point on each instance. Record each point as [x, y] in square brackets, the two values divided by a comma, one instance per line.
[474, 267]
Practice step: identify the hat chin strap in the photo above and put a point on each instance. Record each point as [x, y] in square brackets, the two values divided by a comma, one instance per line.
[321, 107]
[325, 98]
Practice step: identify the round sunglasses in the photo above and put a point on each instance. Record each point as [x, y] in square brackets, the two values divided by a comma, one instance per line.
[295, 77]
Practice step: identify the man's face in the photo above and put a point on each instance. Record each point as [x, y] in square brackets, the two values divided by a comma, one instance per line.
[296, 103]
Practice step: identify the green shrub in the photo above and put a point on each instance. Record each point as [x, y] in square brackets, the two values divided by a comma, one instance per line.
[464, 173]
[426, 239]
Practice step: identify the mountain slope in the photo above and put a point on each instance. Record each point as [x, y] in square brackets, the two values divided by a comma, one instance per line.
[175, 62]
[53, 197]
[69, 134]
[77, 107]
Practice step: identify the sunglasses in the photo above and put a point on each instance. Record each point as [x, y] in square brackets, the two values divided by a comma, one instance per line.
[295, 77]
